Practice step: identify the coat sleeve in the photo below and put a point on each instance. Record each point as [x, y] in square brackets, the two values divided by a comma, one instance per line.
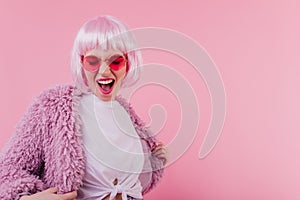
[154, 168]
[21, 160]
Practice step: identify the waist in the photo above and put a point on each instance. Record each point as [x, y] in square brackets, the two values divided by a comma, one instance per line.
[118, 197]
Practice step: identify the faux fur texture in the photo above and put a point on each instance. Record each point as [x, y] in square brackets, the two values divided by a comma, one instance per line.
[47, 151]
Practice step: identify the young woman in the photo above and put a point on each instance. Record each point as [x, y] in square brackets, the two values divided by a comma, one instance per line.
[84, 141]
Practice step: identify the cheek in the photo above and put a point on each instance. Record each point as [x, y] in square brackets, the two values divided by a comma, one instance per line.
[84, 78]
[120, 75]
[88, 78]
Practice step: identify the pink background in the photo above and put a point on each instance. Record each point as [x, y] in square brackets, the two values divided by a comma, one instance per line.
[255, 45]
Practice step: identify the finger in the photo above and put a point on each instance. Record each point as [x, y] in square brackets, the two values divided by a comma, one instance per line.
[52, 190]
[156, 145]
[69, 195]
[159, 151]
[160, 144]
[161, 156]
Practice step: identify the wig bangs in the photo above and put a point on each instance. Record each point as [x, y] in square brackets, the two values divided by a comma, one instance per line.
[104, 35]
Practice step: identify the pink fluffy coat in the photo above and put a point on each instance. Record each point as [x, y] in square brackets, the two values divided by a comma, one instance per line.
[47, 151]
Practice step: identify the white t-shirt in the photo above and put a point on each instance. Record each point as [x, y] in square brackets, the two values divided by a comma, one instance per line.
[113, 151]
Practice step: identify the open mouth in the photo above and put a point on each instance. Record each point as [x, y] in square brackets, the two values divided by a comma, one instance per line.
[106, 85]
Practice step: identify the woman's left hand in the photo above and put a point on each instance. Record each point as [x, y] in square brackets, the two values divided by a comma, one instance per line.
[160, 152]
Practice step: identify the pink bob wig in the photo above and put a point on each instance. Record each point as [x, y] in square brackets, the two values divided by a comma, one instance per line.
[105, 32]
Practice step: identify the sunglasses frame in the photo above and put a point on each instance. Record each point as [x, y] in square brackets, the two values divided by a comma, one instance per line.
[82, 57]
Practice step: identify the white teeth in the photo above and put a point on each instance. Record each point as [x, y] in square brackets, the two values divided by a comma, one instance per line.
[105, 82]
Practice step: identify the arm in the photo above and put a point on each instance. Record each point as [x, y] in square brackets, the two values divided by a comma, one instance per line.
[21, 161]
[50, 194]
[156, 157]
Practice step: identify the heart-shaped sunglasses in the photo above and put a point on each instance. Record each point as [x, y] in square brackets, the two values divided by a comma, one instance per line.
[92, 63]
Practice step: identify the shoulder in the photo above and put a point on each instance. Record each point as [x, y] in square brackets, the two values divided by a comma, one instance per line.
[54, 97]
[130, 110]
[56, 92]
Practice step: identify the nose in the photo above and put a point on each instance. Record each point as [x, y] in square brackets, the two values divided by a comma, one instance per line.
[104, 69]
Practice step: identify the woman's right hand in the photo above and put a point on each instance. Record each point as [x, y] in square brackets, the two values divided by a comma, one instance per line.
[50, 194]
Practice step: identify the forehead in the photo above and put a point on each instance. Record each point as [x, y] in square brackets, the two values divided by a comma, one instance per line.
[102, 53]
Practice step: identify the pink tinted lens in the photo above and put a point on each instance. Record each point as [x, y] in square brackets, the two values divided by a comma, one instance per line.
[117, 62]
[91, 63]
